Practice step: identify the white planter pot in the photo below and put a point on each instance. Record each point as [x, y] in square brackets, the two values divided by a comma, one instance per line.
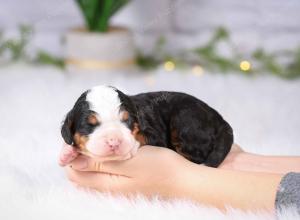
[111, 50]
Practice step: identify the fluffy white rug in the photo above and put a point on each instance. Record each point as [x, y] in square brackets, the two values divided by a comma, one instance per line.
[264, 113]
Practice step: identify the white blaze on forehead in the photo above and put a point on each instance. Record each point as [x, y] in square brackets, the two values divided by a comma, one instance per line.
[105, 101]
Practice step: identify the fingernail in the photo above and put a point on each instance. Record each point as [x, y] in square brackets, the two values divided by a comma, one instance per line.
[81, 163]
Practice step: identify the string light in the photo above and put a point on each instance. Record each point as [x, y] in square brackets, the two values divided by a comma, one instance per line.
[198, 70]
[169, 66]
[245, 65]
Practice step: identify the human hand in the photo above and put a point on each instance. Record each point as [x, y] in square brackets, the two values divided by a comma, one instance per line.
[153, 171]
[67, 155]
[147, 172]
[163, 172]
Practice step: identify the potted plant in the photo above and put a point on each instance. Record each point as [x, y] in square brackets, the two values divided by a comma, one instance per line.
[99, 45]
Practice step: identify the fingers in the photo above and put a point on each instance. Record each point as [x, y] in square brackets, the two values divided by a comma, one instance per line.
[99, 181]
[67, 155]
[88, 164]
[130, 168]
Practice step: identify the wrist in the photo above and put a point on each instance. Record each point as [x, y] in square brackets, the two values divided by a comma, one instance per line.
[200, 184]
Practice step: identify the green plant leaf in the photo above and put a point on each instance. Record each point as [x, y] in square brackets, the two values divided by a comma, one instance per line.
[267, 62]
[117, 5]
[89, 9]
[43, 57]
[103, 19]
[220, 34]
[146, 62]
[293, 68]
[97, 13]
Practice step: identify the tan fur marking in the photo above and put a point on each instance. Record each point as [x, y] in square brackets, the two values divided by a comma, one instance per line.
[80, 141]
[125, 116]
[92, 119]
[137, 134]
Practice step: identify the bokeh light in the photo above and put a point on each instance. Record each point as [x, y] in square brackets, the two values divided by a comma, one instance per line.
[198, 70]
[169, 66]
[245, 65]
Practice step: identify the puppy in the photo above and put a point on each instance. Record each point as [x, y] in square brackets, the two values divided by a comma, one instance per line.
[107, 124]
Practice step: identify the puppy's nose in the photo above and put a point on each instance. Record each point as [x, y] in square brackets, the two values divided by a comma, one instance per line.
[113, 142]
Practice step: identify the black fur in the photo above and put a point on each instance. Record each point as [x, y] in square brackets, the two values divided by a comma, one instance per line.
[167, 119]
[128, 105]
[76, 120]
[203, 136]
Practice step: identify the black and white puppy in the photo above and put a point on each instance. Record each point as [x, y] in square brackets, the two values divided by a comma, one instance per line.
[110, 125]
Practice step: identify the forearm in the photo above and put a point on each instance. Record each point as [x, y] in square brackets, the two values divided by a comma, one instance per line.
[273, 164]
[221, 188]
[260, 163]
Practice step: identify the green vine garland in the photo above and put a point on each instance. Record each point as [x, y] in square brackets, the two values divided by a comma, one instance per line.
[16, 49]
[205, 57]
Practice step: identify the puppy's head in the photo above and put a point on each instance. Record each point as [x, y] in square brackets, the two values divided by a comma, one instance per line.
[103, 123]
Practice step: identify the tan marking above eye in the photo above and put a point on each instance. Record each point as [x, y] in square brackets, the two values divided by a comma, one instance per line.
[124, 115]
[92, 119]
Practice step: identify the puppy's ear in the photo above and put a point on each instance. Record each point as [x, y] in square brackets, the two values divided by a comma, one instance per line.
[67, 128]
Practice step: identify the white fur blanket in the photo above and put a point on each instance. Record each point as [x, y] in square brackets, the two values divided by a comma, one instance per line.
[264, 113]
